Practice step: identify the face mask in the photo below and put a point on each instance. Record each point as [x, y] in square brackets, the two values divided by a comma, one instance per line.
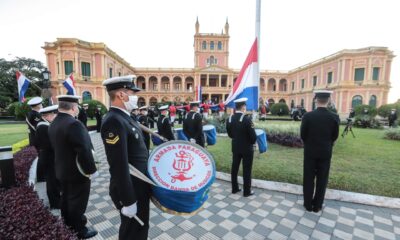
[144, 113]
[76, 111]
[131, 103]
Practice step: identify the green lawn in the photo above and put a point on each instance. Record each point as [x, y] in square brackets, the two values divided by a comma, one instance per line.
[12, 133]
[366, 164]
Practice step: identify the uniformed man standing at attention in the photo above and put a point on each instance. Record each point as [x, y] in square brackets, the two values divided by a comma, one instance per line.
[164, 125]
[193, 124]
[46, 155]
[124, 145]
[135, 113]
[74, 163]
[241, 129]
[144, 120]
[33, 118]
[83, 114]
[319, 131]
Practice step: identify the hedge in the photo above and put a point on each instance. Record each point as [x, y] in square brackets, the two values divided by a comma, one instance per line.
[275, 109]
[385, 110]
[372, 111]
[93, 106]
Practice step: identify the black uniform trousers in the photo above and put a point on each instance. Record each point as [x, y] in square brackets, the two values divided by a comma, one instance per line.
[74, 199]
[130, 228]
[316, 173]
[247, 166]
[53, 188]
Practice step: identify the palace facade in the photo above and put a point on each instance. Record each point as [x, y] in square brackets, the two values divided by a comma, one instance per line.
[356, 76]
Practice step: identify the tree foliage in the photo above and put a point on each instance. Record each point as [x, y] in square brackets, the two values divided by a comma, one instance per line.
[31, 68]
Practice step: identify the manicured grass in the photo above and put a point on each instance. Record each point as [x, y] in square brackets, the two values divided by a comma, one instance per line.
[366, 164]
[12, 133]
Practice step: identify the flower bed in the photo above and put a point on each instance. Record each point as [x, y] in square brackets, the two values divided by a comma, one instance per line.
[286, 135]
[22, 213]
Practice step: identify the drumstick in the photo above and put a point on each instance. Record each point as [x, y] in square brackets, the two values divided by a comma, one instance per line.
[148, 130]
[138, 219]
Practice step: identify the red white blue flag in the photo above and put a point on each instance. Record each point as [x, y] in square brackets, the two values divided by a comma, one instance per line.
[247, 82]
[198, 93]
[23, 84]
[69, 84]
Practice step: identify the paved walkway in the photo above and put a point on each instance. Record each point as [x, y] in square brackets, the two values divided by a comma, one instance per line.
[267, 215]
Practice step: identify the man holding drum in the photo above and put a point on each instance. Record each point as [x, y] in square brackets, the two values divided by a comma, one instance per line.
[319, 131]
[193, 124]
[124, 145]
[144, 120]
[164, 125]
[241, 129]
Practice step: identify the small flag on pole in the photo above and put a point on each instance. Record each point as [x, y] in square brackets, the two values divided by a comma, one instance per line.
[69, 84]
[23, 84]
[247, 82]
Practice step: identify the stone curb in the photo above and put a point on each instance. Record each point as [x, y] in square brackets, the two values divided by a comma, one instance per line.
[32, 172]
[332, 194]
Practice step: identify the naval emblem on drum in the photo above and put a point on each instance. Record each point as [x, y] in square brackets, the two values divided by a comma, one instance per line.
[181, 166]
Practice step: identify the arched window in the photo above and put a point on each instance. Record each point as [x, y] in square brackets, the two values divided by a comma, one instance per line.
[141, 102]
[212, 60]
[219, 45]
[372, 101]
[86, 96]
[212, 45]
[204, 45]
[282, 101]
[357, 100]
[292, 104]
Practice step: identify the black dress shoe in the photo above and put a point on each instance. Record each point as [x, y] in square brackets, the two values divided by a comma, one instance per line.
[316, 209]
[248, 194]
[87, 234]
[236, 191]
[308, 208]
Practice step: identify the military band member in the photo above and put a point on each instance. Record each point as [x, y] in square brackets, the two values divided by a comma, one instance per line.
[164, 125]
[172, 113]
[144, 120]
[193, 124]
[74, 164]
[135, 113]
[392, 117]
[33, 118]
[98, 116]
[83, 114]
[319, 131]
[124, 145]
[46, 156]
[241, 129]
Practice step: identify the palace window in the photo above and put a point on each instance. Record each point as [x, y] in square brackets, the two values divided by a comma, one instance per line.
[302, 83]
[219, 45]
[212, 45]
[314, 81]
[330, 76]
[375, 73]
[68, 67]
[372, 101]
[302, 102]
[204, 45]
[86, 96]
[85, 66]
[357, 100]
[292, 86]
[110, 74]
[359, 74]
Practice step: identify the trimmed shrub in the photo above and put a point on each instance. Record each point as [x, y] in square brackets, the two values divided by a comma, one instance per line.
[11, 109]
[219, 123]
[93, 106]
[16, 147]
[286, 135]
[280, 109]
[393, 134]
[360, 110]
[384, 110]
[367, 121]
[21, 110]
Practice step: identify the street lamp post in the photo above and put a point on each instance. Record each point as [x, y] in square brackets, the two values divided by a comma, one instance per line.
[46, 92]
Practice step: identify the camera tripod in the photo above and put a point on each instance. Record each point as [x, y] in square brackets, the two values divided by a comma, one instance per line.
[349, 127]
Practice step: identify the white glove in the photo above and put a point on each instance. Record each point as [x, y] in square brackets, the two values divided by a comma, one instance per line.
[129, 211]
[94, 175]
[192, 140]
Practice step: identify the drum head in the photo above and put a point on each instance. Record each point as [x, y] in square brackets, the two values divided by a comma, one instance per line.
[181, 166]
[259, 131]
[208, 127]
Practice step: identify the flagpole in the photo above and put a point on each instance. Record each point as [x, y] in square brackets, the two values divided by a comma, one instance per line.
[257, 31]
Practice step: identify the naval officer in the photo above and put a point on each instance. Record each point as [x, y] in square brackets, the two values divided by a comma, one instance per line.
[124, 145]
[164, 125]
[144, 120]
[33, 118]
[241, 129]
[193, 124]
[74, 164]
[319, 131]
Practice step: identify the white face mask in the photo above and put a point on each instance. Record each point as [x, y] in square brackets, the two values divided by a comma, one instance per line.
[144, 113]
[131, 103]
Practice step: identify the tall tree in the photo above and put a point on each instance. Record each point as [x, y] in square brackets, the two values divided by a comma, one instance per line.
[31, 68]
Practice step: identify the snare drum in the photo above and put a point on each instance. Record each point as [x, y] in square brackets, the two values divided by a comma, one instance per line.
[180, 135]
[183, 173]
[261, 140]
[211, 134]
[156, 141]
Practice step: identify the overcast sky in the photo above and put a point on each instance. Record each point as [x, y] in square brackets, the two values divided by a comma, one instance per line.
[159, 33]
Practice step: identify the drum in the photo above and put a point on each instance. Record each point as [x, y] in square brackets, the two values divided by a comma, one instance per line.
[156, 141]
[211, 134]
[180, 135]
[261, 140]
[183, 173]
